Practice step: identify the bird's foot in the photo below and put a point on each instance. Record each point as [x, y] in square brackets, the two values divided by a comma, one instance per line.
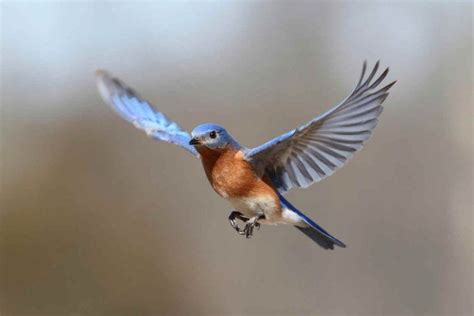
[249, 226]
[237, 215]
[250, 223]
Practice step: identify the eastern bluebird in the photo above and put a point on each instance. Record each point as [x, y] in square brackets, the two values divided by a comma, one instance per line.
[254, 180]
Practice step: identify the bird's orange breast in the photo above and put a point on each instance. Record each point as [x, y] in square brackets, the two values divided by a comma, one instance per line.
[231, 176]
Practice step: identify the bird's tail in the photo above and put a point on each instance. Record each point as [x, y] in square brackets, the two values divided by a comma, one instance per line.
[311, 229]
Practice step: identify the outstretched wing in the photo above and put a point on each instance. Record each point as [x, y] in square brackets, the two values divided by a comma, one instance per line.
[126, 103]
[315, 150]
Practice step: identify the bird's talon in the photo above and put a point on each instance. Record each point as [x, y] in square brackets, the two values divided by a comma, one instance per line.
[234, 224]
[249, 224]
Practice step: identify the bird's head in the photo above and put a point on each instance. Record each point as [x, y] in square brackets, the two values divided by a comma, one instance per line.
[211, 136]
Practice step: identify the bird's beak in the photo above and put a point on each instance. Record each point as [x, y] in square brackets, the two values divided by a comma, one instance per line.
[194, 141]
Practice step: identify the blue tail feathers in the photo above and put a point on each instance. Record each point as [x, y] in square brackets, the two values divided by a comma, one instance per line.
[313, 231]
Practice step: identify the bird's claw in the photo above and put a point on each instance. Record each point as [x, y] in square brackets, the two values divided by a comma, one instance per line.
[248, 229]
[250, 224]
[234, 224]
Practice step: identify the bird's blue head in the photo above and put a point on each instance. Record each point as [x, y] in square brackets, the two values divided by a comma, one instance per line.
[212, 136]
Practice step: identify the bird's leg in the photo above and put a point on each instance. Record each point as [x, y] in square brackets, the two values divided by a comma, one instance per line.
[233, 223]
[250, 224]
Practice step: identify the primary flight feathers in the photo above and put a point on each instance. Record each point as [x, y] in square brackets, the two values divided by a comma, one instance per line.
[141, 113]
[316, 149]
[298, 158]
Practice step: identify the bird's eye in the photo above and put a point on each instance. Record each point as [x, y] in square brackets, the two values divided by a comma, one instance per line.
[212, 134]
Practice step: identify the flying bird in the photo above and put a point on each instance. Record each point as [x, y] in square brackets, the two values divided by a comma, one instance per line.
[254, 180]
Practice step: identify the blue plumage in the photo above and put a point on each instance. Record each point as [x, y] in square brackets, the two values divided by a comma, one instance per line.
[318, 148]
[298, 158]
[132, 108]
[221, 138]
[314, 231]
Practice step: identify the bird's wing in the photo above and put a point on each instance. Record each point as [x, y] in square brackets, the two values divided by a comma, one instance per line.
[316, 149]
[132, 108]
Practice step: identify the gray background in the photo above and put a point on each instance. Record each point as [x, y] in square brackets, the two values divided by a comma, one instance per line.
[97, 219]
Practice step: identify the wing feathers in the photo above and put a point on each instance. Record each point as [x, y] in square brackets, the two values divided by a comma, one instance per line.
[132, 108]
[317, 149]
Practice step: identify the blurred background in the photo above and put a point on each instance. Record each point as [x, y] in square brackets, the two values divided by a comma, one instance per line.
[98, 219]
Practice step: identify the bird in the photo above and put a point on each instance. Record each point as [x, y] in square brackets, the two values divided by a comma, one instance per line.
[255, 180]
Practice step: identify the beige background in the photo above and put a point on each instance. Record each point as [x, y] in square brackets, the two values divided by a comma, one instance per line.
[97, 219]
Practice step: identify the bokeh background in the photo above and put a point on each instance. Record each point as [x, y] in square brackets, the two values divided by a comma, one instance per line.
[97, 219]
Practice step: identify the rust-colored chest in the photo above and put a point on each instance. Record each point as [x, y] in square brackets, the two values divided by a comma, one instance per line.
[230, 175]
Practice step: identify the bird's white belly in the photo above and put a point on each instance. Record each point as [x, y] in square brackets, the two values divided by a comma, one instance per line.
[258, 205]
